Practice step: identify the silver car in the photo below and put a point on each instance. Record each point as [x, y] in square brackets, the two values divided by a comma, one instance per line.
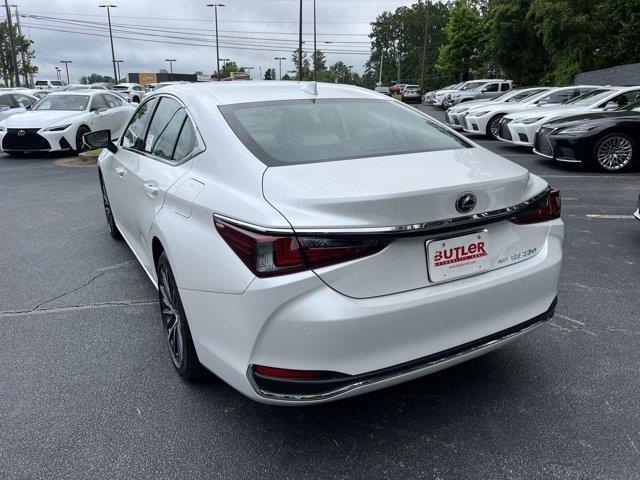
[487, 90]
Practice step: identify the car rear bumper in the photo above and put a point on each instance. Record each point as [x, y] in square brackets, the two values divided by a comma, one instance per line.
[298, 322]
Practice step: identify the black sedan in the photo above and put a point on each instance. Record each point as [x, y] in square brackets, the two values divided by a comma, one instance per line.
[607, 141]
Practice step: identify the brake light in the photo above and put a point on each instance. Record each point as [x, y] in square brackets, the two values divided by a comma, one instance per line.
[548, 209]
[269, 255]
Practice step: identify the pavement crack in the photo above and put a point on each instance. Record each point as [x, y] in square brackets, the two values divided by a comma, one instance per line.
[71, 308]
[102, 271]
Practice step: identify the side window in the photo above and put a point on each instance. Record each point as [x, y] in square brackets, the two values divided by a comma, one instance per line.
[23, 100]
[98, 102]
[186, 142]
[111, 100]
[6, 101]
[134, 135]
[492, 87]
[504, 87]
[166, 142]
[624, 99]
[57, 83]
[165, 111]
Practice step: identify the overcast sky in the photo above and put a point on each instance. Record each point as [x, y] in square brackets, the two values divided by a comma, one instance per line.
[269, 26]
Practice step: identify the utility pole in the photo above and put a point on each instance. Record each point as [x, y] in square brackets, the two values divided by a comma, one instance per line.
[381, 63]
[58, 73]
[315, 49]
[12, 45]
[300, 46]
[170, 60]
[22, 55]
[113, 55]
[424, 44]
[118, 62]
[279, 66]
[66, 66]
[215, 10]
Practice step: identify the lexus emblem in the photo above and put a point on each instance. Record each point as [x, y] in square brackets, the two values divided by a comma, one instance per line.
[21, 133]
[466, 202]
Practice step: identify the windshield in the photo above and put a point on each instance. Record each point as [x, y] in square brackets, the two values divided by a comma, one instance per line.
[588, 98]
[76, 103]
[518, 96]
[121, 87]
[472, 85]
[305, 131]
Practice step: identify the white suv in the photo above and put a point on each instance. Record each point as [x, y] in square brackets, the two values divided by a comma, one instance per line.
[49, 85]
[131, 91]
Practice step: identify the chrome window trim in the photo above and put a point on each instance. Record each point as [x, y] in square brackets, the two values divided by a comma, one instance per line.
[411, 229]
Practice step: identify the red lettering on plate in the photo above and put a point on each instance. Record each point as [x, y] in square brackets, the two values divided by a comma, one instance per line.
[459, 254]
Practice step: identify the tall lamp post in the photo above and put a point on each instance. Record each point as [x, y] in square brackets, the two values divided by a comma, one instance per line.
[57, 73]
[300, 45]
[66, 66]
[118, 62]
[113, 55]
[280, 66]
[170, 60]
[215, 9]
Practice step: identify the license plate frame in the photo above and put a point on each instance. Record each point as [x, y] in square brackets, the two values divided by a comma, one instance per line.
[470, 261]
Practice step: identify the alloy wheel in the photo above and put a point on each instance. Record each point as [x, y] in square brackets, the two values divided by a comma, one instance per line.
[614, 153]
[171, 317]
[494, 128]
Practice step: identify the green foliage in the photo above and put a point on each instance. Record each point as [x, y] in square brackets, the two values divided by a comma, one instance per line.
[270, 74]
[463, 51]
[95, 78]
[529, 41]
[23, 47]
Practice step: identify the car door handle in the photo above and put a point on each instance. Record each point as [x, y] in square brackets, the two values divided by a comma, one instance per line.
[120, 172]
[152, 189]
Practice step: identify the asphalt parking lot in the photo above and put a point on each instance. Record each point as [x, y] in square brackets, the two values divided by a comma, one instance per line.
[87, 389]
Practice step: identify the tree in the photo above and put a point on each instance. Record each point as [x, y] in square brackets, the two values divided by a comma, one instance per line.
[461, 54]
[270, 74]
[22, 47]
[340, 72]
[95, 78]
[306, 71]
[228, 68]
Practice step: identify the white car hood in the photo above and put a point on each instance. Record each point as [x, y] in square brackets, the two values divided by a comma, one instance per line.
[41, 118]
[474, 103]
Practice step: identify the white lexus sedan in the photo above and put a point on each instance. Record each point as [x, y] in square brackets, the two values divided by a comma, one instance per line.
[59, 120]
[520, 128]
[312, 242]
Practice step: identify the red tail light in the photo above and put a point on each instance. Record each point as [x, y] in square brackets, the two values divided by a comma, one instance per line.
[268, 255]
[547, 209]
[287, 373]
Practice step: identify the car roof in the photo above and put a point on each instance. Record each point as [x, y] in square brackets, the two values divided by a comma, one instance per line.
[227, 93]
[87, 92]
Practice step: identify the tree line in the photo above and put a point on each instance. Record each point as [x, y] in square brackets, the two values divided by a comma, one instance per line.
[528, 41]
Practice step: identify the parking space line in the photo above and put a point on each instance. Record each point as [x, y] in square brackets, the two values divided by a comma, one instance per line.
[610, 217]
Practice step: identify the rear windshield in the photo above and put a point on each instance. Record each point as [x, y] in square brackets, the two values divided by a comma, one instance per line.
[306, 131]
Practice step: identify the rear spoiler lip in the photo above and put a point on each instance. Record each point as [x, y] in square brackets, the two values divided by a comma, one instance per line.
[410, 230]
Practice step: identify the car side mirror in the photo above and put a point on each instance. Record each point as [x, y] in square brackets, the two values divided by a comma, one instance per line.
[100, 139]
[611, 105]
[100, 109]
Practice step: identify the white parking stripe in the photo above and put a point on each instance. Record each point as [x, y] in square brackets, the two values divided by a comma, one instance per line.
[613, 217]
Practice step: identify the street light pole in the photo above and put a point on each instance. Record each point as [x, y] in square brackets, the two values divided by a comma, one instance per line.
[66, 66]
[170, 60]
[25, 78]
[280, 66]
[300, 45]
[315, 48]
[215, 9]
[113, 55]
[57, 73]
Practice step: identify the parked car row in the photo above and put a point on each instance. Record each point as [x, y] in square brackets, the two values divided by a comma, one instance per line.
[592, 125]
[467, 91]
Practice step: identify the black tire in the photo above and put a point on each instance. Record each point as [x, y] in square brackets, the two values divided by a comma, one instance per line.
[493, 125]
[174, 321]
[113, 229]
[80, 146]
[136, 100]
[613, 153]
